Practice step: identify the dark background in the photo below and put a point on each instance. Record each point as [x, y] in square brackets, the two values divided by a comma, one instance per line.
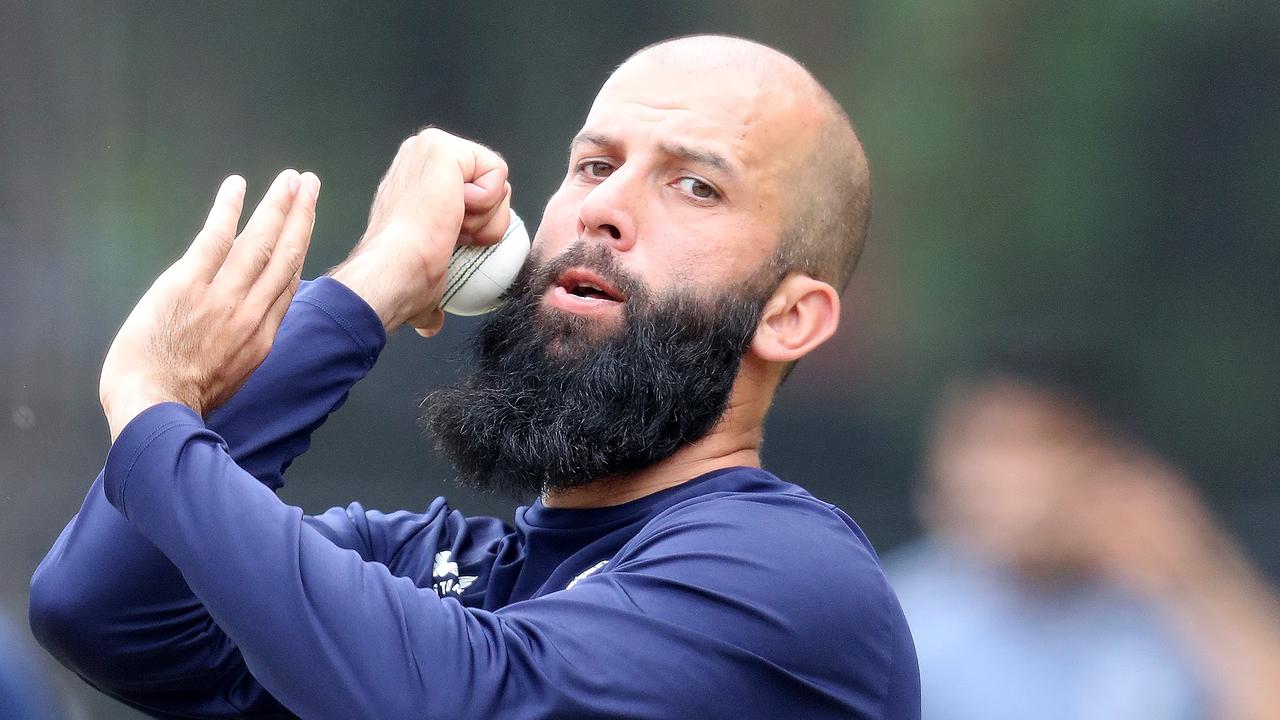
[1104, 173]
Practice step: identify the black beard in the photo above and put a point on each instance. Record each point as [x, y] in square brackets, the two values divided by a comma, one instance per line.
[558, 401]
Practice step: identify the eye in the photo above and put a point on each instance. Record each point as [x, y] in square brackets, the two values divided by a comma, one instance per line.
[595, 168]
[698, 188]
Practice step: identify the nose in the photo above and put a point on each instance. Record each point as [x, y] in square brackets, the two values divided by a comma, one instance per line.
[607, 213]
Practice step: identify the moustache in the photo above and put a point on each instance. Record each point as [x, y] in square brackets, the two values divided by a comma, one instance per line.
[595, 257]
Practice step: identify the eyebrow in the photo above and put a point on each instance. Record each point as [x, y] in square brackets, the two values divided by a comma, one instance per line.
[706, 158]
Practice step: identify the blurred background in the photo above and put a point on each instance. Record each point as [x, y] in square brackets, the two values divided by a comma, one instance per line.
[1103, 174]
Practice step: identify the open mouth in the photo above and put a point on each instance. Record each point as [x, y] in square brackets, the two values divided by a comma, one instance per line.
[583, 283]
[580, 290]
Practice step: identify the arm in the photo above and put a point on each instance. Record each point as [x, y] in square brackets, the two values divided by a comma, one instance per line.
[1231, 617]
[105, 601]
[686, 625]
[1154, 535]
[109, 605]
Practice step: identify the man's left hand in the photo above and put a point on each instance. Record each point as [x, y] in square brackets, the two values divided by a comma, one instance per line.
[209, 320]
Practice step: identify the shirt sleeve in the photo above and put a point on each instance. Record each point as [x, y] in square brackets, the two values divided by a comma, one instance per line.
[688, 627]
[329, 341]
[109, 605]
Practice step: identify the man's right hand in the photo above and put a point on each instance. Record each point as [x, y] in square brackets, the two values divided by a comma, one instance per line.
[440, 191]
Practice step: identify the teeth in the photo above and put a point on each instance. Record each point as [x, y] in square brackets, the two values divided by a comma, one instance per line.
[587, 290]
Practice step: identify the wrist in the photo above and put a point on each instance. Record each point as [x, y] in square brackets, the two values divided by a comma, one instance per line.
[371, 282]
[388, 272]
[130, 399]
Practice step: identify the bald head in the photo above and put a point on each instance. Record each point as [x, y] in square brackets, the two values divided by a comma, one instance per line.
[822, 169]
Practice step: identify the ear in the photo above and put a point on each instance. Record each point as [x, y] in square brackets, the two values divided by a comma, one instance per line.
[801, 315]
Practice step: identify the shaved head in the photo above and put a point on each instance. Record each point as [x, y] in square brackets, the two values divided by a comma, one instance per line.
[823, 170]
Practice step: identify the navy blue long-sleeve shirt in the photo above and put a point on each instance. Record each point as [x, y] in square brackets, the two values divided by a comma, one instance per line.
[186, 588]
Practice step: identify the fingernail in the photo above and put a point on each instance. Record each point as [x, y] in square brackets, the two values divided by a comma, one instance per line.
[294, 182]
[233, 184]
[312, 184]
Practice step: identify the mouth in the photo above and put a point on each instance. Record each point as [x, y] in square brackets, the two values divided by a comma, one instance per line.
[582, 291]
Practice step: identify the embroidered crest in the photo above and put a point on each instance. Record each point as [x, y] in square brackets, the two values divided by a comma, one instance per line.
[445, 577]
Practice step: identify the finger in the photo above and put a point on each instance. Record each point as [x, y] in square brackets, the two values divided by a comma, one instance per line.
[211, 244]
[474, 223]
[480, 160]
[484, 176]
[271, 321]
[256, 244]
[290, 248]
[489, 228]
[432, 324]
[486, 190]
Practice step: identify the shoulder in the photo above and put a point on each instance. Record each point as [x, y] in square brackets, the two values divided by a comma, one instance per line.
[766, 538]
[772, 569]
[765, 515]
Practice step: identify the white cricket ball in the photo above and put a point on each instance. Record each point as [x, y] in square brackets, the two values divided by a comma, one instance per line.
[478, 276]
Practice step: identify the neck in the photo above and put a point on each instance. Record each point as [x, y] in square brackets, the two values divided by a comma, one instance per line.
[733, 442]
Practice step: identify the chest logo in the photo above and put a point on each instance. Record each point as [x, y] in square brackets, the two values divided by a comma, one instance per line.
[445, 579]
[585, 574]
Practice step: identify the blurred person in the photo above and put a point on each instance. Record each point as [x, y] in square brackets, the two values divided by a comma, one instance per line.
[1069, 573]
[715, 204]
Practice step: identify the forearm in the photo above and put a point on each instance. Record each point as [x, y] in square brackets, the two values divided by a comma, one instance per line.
[369, 278]
[328, 342]
[110, 605]
[321, 629]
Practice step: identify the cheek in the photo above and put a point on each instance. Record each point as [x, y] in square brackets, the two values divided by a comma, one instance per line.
[559, 225]
[710, 260]
[723, 244]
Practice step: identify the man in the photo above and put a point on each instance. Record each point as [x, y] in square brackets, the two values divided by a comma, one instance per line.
[715, 200]
[1069, 573]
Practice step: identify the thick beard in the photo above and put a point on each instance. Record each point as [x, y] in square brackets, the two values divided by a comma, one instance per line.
[557, 401]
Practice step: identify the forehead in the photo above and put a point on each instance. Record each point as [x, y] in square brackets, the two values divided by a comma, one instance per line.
[728, 108]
